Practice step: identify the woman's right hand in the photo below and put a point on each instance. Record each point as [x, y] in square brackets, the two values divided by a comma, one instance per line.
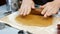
[26, 7]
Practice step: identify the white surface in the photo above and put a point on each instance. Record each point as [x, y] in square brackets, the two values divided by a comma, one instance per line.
[34, 29]
[7, 29]
[2, 11]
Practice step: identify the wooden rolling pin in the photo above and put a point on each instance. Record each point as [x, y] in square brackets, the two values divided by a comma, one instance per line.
[37, 11]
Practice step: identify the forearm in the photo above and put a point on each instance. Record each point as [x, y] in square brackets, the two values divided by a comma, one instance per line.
[57, 0]
[27, 1]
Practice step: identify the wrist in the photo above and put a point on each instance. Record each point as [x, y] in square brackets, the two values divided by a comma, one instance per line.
[27, 1]
[58, 2]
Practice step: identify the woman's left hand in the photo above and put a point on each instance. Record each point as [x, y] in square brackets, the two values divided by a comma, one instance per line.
[50, 8]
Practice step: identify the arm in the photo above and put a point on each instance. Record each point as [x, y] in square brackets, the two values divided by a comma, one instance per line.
[27, 0]
[57, 0]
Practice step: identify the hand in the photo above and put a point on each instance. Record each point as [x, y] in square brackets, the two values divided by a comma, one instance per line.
[50, 8]
[26, 7]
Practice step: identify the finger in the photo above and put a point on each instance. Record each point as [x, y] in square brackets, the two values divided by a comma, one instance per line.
[55, 11]
[52, 12]
[45, 15]
[22, 11]
[49, 11]
[44, 10]
[46, 6]
[29, 10]
[25, 11]
[33, 6]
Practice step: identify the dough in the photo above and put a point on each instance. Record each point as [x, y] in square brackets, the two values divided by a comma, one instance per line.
[34, 20]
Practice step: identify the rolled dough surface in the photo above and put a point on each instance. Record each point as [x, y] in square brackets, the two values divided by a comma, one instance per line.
[34, 20]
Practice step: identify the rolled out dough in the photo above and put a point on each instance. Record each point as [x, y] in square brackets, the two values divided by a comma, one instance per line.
[34, 20]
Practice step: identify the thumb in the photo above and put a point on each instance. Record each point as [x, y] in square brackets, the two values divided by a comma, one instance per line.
[33, 6]
[41, 6]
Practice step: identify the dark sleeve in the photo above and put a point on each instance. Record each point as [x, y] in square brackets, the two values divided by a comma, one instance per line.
[41, 2]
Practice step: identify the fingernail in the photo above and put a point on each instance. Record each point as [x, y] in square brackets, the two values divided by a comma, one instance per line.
[42, 13]
[27, 13]
[45, 16]
[21, 13]
[24, 14]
